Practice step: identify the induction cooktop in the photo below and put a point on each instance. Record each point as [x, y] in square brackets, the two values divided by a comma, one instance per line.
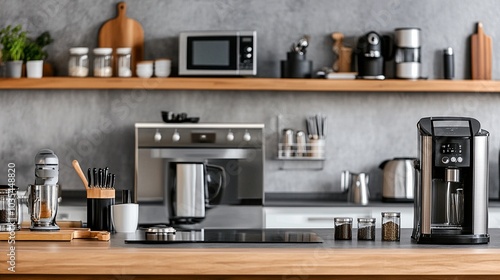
[169, 235]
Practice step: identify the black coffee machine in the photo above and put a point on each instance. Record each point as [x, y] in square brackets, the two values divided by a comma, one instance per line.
[371, 52]
[451, 198]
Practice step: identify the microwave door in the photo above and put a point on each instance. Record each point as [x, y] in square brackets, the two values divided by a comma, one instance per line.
[217, 54]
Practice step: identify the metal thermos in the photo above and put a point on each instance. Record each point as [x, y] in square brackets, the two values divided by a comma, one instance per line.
[448, 64]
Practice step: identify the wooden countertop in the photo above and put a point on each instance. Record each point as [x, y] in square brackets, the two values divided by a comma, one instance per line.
[341, 259]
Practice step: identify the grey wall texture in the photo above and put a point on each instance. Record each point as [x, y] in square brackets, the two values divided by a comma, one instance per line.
[96, 126]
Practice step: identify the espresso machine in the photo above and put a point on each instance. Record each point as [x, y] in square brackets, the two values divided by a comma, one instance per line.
[44, 194]
[451, 198]
[371, 52]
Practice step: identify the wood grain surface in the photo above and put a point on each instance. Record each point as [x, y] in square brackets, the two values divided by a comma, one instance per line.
[60, 235]
[123, 32]
[481, 55]
[253, 84]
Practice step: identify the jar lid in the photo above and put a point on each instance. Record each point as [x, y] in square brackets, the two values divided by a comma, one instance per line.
[103, 51]
[123, 50]
[79, 50]
[391, 214]
[342, 219]
[366, 220]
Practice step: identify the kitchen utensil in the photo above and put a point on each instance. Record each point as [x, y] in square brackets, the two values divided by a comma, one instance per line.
[10, 208]
[336, 48]
[99, 202]
[122, 31]
[79, 171]
[399, 179]
[356, 185]
[481, 48]
[448, 64]
[42, 206]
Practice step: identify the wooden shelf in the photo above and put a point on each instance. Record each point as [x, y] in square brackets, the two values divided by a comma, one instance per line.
[253, 84]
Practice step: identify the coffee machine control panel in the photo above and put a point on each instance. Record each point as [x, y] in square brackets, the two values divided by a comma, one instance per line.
[453, 153]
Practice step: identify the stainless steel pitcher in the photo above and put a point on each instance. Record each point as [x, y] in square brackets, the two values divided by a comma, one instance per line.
[42, 206]
[356, 185]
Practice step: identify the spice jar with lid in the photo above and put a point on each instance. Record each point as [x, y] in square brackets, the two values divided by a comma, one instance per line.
[391, 222]
[103, 62]
[123, 62]
[366, 229]
[343, 228]
[78, 63]
[10, 214]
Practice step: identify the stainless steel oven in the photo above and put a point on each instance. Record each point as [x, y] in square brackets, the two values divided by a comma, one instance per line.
[182, 169]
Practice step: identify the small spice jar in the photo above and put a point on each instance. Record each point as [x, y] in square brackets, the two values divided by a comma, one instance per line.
[366, 229]
[103, 62]
[10, 218]
[123, 62]
[343, 228]
[78, 63]
[391, 222]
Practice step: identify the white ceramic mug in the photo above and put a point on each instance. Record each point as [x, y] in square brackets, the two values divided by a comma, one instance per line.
[162, 68]
[125, 217]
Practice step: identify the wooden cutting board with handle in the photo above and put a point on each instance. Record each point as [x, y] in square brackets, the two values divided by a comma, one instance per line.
[123, 32]
[481, 54]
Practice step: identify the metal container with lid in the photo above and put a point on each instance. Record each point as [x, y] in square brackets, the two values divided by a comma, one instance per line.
[160, 232]
[10, 208]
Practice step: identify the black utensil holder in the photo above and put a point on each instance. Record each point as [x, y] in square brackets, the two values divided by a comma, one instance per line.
[99, 204]
[296, 66]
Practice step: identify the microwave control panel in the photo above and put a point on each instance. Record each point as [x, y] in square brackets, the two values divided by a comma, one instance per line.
[247, 52]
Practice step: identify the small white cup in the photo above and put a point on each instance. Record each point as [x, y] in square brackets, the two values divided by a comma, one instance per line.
[162, 67]
[125, 217]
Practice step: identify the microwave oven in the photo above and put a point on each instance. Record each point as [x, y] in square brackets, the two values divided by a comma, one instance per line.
[218, 53]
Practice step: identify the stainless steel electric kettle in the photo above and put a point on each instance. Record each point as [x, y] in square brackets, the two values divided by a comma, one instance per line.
[399, 179]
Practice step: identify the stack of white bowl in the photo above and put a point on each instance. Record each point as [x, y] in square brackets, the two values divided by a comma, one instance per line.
[144, 69]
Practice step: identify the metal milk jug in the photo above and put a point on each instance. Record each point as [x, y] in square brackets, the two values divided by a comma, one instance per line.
[356, 185]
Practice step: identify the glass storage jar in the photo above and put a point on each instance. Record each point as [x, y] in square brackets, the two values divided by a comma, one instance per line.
[103, 62]
[391, 222]
[78, 63]
[366, 228]
[10, 214]
[123, 62]
[343, 228]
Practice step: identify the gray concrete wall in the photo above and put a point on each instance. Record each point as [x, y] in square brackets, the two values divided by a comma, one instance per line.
[96, 127]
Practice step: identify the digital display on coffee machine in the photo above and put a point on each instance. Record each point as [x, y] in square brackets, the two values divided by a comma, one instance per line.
[451, 148]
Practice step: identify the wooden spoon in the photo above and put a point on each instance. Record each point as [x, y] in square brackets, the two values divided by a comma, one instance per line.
[79, 171]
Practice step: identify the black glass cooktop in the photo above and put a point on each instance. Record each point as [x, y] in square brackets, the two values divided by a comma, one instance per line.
[226, 236]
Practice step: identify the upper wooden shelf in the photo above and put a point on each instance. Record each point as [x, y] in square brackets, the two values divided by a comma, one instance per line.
[253, 84]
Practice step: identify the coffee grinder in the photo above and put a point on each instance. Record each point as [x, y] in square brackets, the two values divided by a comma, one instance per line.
[44, 194]
[451, 198]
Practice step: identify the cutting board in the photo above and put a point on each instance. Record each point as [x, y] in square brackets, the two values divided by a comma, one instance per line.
[60, 235]
[481, 57]
[123, 32]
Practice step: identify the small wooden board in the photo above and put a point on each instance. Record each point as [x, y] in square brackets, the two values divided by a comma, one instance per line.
[481, 55]
[60, 235]
[123, 32]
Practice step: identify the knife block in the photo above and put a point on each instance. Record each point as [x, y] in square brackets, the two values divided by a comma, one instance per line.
[99, 203]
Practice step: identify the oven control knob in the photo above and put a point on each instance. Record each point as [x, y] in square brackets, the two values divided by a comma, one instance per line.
[176, 137]
[247, 136]
[157, 136]
[249, 49]
[230, 136]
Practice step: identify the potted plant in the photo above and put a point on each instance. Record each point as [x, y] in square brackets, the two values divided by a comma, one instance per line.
[34, 54]
[13, 40]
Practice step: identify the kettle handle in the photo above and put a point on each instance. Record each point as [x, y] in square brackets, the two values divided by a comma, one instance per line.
[221, 185]
[345, 180]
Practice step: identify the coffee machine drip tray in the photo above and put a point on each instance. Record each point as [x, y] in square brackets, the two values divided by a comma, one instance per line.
[169, 235]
